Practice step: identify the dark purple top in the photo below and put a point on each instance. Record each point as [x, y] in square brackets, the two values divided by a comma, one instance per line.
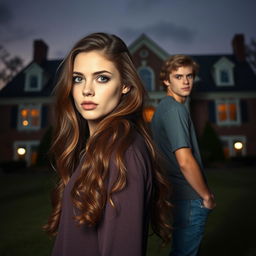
[123, 230]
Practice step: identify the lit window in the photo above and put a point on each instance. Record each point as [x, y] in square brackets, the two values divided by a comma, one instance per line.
[29, 117]
[228, 112]
[148, 113]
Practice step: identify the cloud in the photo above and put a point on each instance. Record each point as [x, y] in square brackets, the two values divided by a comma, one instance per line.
[5, 14]
[8, 31]
[142, 5]
[12, 34]
[162, 30]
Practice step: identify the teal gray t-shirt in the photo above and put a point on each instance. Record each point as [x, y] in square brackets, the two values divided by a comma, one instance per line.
[172, 129]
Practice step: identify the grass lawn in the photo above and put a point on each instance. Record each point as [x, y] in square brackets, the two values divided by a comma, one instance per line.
[25, 206]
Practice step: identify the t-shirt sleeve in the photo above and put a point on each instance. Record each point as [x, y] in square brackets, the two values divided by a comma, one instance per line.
[176, 125]
[122, 230]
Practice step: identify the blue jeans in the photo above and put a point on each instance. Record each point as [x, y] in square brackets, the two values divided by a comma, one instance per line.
[189, 219]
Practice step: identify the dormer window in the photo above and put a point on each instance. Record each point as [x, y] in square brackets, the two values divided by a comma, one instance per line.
[224, 72]
[33, 78]
[33, 82]
[224, 76]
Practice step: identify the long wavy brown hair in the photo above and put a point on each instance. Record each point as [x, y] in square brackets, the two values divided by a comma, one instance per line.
[113, 134]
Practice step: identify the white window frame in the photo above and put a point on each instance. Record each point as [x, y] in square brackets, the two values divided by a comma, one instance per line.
[228, 122]
[33, 70]
[28, 145]
[152, 84]
[29, 127]
[230, 141]
[227, 65]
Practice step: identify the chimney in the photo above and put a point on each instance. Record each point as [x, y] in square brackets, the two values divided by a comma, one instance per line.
[239, 47]
[40, 51]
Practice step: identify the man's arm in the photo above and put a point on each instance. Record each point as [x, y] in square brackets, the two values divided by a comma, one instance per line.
[192, 173]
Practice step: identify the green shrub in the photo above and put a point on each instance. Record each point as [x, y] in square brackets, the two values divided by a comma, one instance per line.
[211, 146]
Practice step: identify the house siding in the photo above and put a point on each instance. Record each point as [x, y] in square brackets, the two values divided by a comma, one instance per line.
[202, 105]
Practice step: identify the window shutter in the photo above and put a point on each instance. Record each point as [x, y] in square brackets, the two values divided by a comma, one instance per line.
[44, 113]
[14, 117]
[244, 111]
[212, 114]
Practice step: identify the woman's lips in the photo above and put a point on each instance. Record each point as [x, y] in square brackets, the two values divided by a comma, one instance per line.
[89, 105]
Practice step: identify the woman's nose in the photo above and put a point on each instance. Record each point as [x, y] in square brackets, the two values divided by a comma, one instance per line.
[88, 89]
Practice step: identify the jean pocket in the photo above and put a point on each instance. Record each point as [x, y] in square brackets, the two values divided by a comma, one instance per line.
[203, 207]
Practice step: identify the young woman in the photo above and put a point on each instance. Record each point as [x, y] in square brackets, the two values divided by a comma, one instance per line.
[110, 186]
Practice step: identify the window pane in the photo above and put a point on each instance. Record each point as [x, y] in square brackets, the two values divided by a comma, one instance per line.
[33, 156]
[232, 112]
[24, 113]
[34, 112]
[33, 82]
[222, 112]
[34, 117]
[146, 77]
[24, 117]
[224, 76]
[148, 113]
[29, 117]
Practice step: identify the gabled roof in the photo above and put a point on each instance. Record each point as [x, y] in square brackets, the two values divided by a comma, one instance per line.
[244, 77]
[145, 40]
[15, 88]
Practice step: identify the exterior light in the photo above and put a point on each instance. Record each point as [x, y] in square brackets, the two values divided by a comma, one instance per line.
[25, 123]
[238, 145]
[21, 151]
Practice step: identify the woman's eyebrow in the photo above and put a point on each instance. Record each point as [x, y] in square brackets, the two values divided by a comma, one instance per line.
[95, 73]
[102, 71]
[77, 73]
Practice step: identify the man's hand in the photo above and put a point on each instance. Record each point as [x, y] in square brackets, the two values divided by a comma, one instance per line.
[209, 202]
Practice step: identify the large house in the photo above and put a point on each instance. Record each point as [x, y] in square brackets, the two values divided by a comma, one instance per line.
[224, 96]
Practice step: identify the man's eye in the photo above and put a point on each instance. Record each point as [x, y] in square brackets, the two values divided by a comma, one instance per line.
[190, 76]
[103, 79]
[77, 79]
[178, 76]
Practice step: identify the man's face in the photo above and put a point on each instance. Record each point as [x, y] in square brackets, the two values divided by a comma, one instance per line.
[180, 83]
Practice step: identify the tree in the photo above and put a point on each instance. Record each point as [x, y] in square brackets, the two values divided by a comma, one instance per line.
[9, 66]
[251, 53]
[43, 157]
[211, 146]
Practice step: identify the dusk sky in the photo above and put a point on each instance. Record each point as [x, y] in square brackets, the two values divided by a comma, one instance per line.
[178, 26]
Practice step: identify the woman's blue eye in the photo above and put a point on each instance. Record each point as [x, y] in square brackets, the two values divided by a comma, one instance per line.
[103, 79]
[77, 79]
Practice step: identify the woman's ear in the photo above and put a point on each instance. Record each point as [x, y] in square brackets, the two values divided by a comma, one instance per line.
[125, 89]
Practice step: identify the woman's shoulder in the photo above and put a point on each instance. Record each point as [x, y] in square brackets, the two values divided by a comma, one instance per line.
[138, 143]
[137, 158]
[138, 153]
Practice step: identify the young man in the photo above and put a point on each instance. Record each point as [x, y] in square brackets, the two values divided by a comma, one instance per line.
[174, 134]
